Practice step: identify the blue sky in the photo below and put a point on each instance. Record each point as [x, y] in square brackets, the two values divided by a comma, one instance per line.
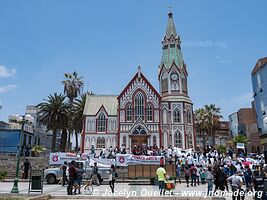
[105, 41]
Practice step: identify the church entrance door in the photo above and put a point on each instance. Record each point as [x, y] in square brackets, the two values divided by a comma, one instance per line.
[138, 140]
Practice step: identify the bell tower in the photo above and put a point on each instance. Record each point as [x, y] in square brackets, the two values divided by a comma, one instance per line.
[176, 106]
[172, 70]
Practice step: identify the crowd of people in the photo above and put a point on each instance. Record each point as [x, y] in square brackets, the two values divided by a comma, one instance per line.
[73, 176]
[210, 167]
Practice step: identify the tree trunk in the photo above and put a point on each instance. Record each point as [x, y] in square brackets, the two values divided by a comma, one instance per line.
[76, 138]
[69, 138]
[63, 141]
[54, 137]
[213, 137]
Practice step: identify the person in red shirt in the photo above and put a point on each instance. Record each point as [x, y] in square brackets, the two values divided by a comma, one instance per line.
[72, 177]
[161, 161]
[193, 172]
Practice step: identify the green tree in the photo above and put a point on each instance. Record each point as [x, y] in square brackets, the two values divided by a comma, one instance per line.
[37, 149]
[222, 149]
[199, 116]
[53, 112]
[212, 120]
[207, 120]
[240, 139]
[72, 88]
[78, 119]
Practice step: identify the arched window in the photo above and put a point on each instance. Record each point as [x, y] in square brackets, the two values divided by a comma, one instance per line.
[164, 116]
[88, 125]
[154, 141]
[139, 106]
[100, 143]
[189, 117]
[164, 83]
[149, 112]
[184, 83]
[178, 139]
[114, 125]
[129, 113]
[101, 123]
[124, 141]
[190, 140]
[87, 142]
[93, 125]
[176, 116]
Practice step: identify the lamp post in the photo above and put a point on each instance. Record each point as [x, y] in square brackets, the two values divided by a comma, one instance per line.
[27, 119]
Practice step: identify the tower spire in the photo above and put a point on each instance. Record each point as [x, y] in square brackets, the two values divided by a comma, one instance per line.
[171, 46]
[170, 27]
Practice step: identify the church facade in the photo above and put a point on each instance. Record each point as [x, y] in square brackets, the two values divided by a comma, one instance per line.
[140, 115]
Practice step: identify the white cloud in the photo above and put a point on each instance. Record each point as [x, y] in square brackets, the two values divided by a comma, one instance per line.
[4, 72]
[7, 88]
[220, 59]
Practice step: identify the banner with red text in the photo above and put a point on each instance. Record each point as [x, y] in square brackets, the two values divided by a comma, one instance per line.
[129, 159]
[59, 158]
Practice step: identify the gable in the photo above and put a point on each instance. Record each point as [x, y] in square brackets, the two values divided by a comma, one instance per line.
[139, 83]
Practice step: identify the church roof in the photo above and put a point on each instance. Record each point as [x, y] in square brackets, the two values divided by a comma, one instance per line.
[95, 102]
[260, 63]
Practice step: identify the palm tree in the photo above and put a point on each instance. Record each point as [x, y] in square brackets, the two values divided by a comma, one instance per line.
[54, 113]
[212, 122]
[199, 117]
[78, 108]
[72, 88]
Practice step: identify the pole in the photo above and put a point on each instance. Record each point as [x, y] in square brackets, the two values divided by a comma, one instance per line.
[15, 188]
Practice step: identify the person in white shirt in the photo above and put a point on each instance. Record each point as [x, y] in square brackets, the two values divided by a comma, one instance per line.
[190, 160]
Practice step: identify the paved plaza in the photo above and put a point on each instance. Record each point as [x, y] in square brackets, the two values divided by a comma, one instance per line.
[121, 190]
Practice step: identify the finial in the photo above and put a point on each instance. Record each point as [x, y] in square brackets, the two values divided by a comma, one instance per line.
[139, 71]
[170, 11]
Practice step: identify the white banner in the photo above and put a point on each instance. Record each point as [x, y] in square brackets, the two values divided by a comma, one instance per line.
[129, 159]
[102, 162]
[59, 158]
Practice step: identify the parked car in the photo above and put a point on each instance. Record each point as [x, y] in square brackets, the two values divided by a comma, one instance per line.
[53, 175]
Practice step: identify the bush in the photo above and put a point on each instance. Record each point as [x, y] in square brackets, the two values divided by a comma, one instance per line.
[3, 174]
[222, 149]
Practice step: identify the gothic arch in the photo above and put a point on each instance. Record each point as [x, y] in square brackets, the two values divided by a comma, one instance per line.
[190, 140]
[165, 139]
[178, 139]
[164, 82]
[139, 105]
[176, 116]
[101, 123]
[164, 116]
[189, 116]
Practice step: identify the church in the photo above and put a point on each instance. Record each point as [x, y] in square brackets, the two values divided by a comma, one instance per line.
[141, 115]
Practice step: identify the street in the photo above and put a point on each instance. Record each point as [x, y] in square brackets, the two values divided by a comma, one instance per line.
[121, 190]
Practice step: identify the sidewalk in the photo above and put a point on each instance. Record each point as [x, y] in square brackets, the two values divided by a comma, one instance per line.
[122, 190]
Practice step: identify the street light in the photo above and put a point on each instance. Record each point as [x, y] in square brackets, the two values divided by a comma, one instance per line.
[27, 119]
